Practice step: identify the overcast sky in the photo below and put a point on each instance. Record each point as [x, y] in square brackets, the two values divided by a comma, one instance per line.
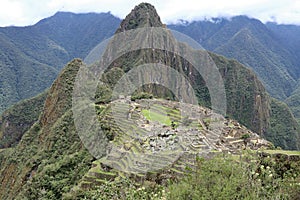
[28, 12]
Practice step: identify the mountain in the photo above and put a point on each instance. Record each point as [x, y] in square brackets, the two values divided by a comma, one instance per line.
[255, 45]
[212, 34]
[270, 50]
[52, 162]
[288, 35]
[31, 57]
[51, 144]
[138, 18]
[56, 45]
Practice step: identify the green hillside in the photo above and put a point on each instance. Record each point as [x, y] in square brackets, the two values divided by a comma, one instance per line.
[253, 44]
[16, 120]
[284, 129]
[288, 35]
[21, 76]
[50, 148]
[293, 102]
[31, 57]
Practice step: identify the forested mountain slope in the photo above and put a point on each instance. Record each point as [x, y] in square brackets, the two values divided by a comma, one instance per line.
[31, 57]
[267, 49]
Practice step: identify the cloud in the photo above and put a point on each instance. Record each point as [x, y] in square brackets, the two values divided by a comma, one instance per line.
[28, 12]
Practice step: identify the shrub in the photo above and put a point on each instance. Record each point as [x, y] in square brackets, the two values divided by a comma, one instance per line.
[230, 178]
[141, 95]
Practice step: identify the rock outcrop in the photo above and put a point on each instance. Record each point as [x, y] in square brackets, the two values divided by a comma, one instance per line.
[143, 15]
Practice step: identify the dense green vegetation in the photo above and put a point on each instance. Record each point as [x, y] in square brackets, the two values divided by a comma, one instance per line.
[237, 178]
[271, 50]
[58, 167]
[141, 95]
[267, 50]
[288, 35]
[50, 158]
[247, 100]
[284, 129]
[21, 76]
[15, 121]
[293, 102]
[248, 176]
[264, 48]
[31, 57]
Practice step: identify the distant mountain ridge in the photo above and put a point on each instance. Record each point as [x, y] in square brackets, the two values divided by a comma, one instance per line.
[254, 44]
[32, 56]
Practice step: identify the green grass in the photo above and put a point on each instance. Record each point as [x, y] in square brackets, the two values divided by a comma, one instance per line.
[101, 181]
[166, 108]
[177, 171]
[100, 171]
[153, 116]
[282, 152]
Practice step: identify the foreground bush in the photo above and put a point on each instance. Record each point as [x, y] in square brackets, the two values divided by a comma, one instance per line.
[234, 177]
[225, 177]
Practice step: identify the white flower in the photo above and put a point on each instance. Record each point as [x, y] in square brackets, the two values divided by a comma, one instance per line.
[270, 175]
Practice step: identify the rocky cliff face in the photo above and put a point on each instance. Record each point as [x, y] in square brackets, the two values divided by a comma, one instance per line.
[143, 15]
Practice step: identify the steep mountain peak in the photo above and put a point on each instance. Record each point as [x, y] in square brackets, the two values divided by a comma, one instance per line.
[143, 15]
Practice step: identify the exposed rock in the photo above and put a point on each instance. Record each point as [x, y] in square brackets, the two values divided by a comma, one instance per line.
[143, 15]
